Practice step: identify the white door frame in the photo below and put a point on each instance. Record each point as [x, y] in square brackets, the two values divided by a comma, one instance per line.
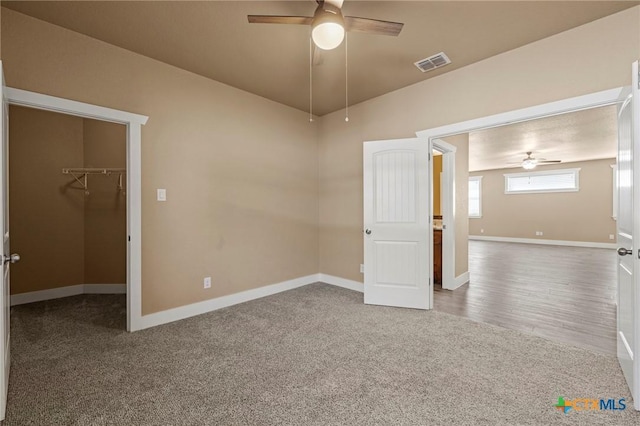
[448, 210]
[133, 122]
[593, 100]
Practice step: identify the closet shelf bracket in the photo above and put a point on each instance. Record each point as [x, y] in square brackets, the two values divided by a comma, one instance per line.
[80, 174]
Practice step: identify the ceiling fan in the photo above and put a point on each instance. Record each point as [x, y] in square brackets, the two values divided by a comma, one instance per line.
[530, 162]
[328, 25]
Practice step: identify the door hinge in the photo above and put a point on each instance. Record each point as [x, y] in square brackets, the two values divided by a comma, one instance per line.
[129, 238]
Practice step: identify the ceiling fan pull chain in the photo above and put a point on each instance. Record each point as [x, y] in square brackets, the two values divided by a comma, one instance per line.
[346, 77]
[310, 79]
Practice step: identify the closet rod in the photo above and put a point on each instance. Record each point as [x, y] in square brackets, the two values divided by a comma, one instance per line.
[80, 175]
[92, 171]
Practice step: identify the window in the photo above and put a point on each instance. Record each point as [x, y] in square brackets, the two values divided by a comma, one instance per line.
[561, 180]
[475, 196]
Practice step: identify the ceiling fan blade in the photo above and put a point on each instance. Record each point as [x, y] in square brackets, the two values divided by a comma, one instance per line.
[271, 19]
[549, 161]
[372, 26]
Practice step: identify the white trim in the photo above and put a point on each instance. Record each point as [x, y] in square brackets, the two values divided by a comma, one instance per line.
[614, 211]
[593, 100]
[54, 293]
[67, 106]
[545, 242]
[134, 167]
[71, 290]
[203, 307]
[626, 345]
[134, 227]
[461, 280]
[341, 282]
[443, 146]
[448, 207]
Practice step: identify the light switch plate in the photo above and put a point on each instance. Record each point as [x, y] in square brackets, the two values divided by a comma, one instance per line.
[162, 195]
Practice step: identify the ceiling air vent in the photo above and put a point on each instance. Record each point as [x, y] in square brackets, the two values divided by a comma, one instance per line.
[433, 62]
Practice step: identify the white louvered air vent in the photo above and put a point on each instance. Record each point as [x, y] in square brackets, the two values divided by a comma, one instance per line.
[432, 62]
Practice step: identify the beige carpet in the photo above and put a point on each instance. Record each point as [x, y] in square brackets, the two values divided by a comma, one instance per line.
[310, 356]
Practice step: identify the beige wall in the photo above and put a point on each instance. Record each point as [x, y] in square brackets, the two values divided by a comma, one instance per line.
[437, 169]
[569, 216]
[241, 172]
[46, 214]
[105, 210]
[587, 59]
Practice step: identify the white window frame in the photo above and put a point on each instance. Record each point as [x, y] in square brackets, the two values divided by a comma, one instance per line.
[479, 179]
[576, 175]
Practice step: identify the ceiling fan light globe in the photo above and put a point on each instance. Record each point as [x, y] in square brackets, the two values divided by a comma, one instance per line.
[327, 35]
[529, 164]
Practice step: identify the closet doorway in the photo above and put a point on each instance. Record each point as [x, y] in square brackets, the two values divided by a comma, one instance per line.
[133, 123]
[68, 207]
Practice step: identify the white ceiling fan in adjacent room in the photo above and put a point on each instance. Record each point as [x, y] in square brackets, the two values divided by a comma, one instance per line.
[530, 162]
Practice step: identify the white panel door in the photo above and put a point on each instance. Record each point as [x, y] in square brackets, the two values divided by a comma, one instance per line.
[397, 197]
[5, 256]
[628, 230]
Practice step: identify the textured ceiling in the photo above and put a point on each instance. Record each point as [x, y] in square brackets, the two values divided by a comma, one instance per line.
[579, 136]
[214, 39]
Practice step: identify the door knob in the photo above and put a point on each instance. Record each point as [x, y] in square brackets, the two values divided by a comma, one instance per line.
[14, 258]
[367, 231]
[623, 251]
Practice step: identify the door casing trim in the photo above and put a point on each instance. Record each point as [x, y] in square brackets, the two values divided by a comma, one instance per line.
[133, 123]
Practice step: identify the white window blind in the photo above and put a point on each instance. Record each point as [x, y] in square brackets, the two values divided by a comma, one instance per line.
[475, 196]
[563, 180]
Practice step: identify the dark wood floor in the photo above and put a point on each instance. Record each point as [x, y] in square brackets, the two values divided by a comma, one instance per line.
[566, 294]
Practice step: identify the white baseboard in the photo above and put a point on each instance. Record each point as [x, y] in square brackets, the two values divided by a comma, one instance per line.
[72, 290]
[341, 282]
[545, 242]
[460, 280]
[203, 307]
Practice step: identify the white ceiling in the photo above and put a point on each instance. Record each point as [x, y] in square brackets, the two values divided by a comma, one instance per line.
[214, 39]
[578, 136]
